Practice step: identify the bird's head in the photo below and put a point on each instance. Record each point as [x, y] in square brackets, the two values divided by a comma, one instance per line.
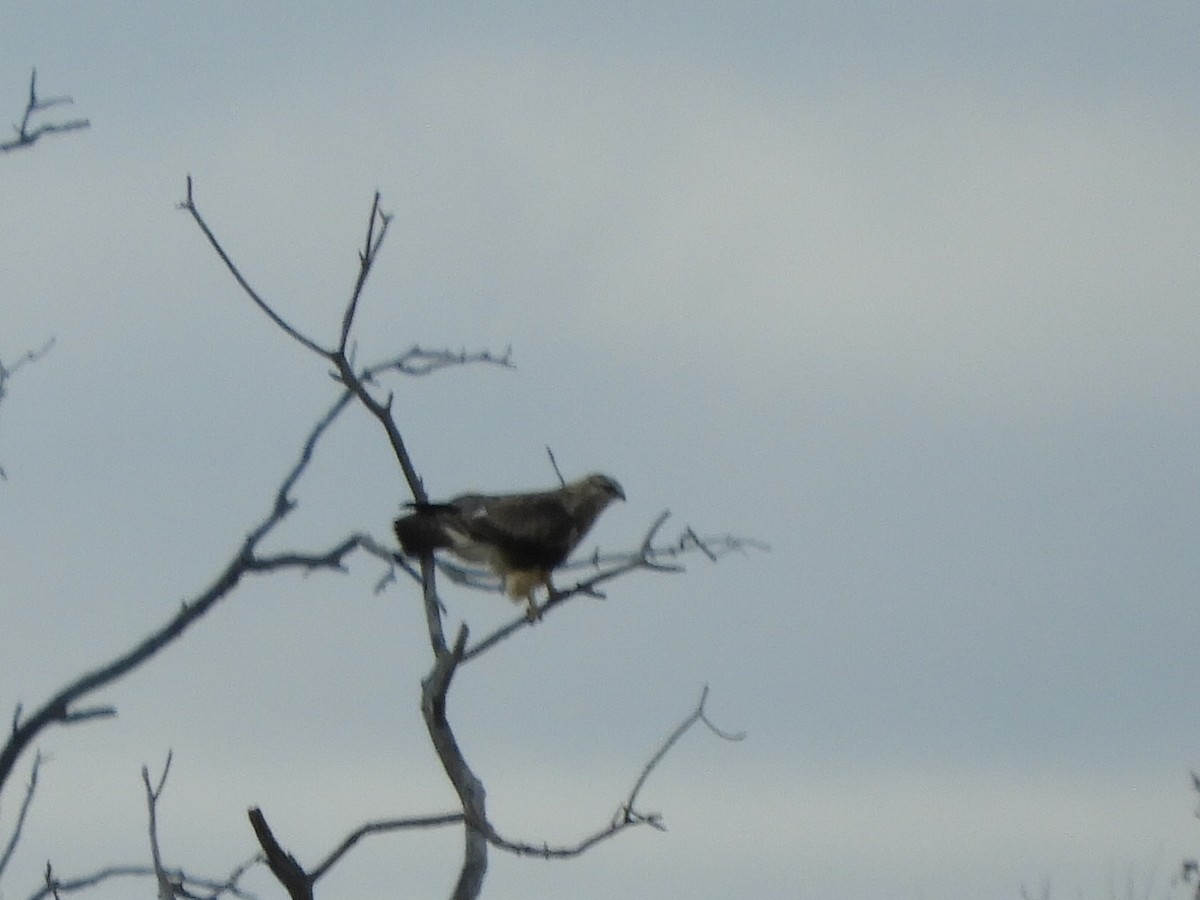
[603, 487]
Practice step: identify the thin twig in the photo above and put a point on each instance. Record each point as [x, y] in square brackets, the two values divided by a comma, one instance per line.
[418, 361]
[54, 886]
[627, 815]
[50, 881]
[166, 890]
[366, 258]
[394, 561]
[29, 356]
[190, 205]
[698, 715]
[22, 813]
[640, 559]
[383, 827]
[689, 534]
[554, 463]
[331, 559]
[26, 137]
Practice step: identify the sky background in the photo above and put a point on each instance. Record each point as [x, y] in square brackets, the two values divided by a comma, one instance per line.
[908, 291]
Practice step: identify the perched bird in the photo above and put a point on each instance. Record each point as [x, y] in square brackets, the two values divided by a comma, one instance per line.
[520, 537]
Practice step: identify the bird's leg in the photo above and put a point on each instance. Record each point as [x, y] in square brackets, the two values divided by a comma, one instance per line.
[533, 612]
[524, 585]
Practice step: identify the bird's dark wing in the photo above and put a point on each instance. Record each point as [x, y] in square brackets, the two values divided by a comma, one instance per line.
[529, 530]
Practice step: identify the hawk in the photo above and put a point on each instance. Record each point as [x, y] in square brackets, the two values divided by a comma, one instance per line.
[520, 537]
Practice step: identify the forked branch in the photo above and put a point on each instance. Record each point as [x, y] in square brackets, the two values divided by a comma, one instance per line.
[29, 356]
[188, 885]
[366, 257]
[416, 361]
[61, 708]
[384, 826]
[300, 883]
[650, 556]
[171, 883]
[627, 815]
[26, 136]
[166, 890]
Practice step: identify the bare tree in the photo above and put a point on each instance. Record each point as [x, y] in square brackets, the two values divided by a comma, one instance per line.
[29, 133]
[361, 387]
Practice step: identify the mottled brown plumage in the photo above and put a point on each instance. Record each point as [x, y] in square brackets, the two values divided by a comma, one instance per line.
[520, 537]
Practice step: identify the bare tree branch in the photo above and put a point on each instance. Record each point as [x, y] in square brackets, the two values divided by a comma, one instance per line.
[434, 689]
[480, 579]
[466, 783]
[337, 356]
[26, 137]
[166, 890]
[282, 864]
[383, 826]
[433, 607]
[645, 557]
[698, 715]
[24, 359]
[187, 886]
[418, 361]
[50, 881]
[230, 886]
[291, 332]
[6, 372]
[299, 883]
[292, 875]
[22, 813]
[365, 257]
[330, 559]
[59, 708]
[627, 815]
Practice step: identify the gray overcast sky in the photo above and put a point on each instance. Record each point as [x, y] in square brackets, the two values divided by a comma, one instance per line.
[907, 290]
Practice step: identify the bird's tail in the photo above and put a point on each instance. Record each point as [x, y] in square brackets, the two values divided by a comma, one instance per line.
[421, 532]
